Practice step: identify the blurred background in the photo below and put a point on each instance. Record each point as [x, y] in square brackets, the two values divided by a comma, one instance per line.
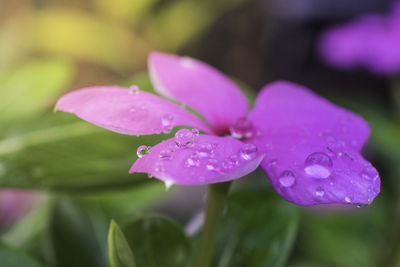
[63, 180]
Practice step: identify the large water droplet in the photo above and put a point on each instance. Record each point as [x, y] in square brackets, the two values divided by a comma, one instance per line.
[193, 160]
[287, 179]
[134, 90]
[369, 173]
[166, 122]
[318, 165]
[184, 138]
[242, 128]
[319, 192]
[142, 150]
[248, 151]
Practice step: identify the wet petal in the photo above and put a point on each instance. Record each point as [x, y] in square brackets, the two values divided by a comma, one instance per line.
[199, 86]
[126, 111]
[208, 159]
[312, 147]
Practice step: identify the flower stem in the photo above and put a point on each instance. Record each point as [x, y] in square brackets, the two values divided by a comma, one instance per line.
[217, 194]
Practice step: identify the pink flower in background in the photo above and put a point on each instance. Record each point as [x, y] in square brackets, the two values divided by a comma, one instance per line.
[308, 147]
[371, 41]
[14, 204]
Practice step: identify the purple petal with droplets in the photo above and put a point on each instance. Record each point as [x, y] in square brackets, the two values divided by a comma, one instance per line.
[293, 123]
[119, 110]
[205, 161]
[199, 86]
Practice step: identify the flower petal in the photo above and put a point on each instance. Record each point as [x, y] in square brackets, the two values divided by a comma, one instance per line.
[312, 147]
[199, 86]
[209, 159]
[119, 110]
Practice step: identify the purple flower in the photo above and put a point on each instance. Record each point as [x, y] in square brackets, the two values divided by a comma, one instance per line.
[309, 148]
[371, 41]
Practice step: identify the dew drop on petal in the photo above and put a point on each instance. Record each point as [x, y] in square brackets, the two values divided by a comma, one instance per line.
[149, 175]
[248, 151]
[242, 128]
[165, 154]
[318, 165]
[319, 192]
[230, 162]
[134, 90]
[143, 150]
[369, 173]
[184, 137]
[166, 122]
[287, 179]
[205, 150]
[348, 199]
[212, 165]
[193, 160]
[195, 132]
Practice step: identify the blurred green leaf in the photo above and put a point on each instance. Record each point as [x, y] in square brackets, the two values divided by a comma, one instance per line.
[157, 242]
[125, 10]
[72, 238]
[31, 86]
[11, 257]
[119, 252]
[354, 235]
[86, 37]
[258, 229]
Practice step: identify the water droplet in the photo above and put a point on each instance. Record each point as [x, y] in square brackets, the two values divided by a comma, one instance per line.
[184, 138]
[336, 148]
[242, 128]
[193, 160]
[168, 184]
[195, 132]
[348, 199]
[166, 154]
[143, 150]
[318, 165]
[205, 150]
[149, 175]
[166, 122]
[134, 90]
[230, 162]
[319, 192]
[369, 173]
[272, 163]
[212, 165]
[248, 151]
[287, 179]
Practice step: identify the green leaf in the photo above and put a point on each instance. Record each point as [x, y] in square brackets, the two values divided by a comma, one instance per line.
[11, 257]
[72, 240]
[32, 86]
[119, 252]
[354, 235]
[258, 229]
[157, 242]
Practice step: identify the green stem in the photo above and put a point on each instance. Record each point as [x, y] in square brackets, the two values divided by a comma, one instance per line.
[217, 194]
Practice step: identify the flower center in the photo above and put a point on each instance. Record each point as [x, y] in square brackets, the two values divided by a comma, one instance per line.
[242, 129]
